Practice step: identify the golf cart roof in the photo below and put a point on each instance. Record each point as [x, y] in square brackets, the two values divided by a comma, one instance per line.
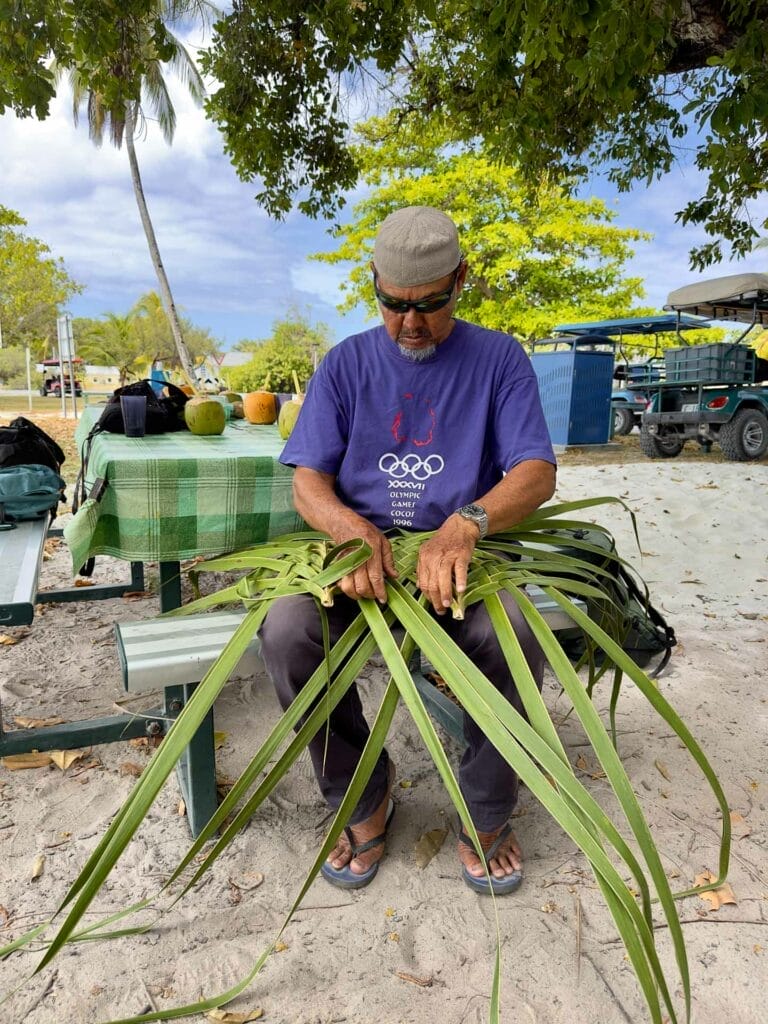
[633, 325]
[741, 297]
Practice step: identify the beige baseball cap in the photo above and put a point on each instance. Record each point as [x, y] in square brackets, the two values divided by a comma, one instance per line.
[416, 245]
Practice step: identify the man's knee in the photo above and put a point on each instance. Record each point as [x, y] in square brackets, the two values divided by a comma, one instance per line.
[291, 623]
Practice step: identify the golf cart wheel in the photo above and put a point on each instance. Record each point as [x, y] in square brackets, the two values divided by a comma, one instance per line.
[623, 421]
[745, 437]
[660, 446]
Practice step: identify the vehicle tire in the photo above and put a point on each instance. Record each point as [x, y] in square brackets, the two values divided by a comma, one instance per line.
[56, 392]
[660, 446]
[623, 421]
[745, 437]
[43, 392]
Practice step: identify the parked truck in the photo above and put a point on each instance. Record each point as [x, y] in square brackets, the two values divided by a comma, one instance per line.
[718, 393]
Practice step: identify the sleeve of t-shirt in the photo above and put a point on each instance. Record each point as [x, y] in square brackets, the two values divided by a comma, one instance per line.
[520, 430]
[319, 438]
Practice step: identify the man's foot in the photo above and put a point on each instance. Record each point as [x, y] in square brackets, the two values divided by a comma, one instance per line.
[354, 860]
[503, 857]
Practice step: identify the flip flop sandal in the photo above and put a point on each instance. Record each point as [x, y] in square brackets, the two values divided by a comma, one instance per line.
[346, 878]
[499, 886]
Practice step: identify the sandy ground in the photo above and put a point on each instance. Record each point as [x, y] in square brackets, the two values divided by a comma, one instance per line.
[359, 958]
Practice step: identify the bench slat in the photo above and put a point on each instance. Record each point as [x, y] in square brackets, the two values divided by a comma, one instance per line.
[21, 555]
[180, 649]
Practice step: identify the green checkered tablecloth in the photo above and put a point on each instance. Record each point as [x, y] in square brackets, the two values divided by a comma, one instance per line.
[175, 496]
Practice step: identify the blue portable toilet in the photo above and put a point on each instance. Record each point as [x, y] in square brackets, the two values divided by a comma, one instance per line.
[575, 376]
[158, 378]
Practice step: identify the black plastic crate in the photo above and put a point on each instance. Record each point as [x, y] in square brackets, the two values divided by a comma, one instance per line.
[721, 362]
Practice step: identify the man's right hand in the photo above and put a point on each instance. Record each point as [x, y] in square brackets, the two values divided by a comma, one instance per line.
[316, 501]
[369, 579]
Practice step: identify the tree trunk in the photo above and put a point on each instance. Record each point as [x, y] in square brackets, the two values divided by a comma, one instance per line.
[165, 288]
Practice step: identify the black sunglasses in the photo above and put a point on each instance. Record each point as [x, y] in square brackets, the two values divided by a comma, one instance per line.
[429, 304]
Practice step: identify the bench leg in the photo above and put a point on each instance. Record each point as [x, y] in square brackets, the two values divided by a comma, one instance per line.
[196, 770]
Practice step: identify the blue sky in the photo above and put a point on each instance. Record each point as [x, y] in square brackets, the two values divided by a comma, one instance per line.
[231, 268]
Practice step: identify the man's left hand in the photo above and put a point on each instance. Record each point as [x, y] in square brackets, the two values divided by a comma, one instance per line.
[444, 560]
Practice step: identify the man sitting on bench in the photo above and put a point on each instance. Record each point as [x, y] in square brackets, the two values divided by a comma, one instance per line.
[426, 423]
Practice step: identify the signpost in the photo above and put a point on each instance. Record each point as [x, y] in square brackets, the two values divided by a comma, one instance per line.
[66, 353]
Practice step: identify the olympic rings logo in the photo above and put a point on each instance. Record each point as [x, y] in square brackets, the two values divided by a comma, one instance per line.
[411, 465]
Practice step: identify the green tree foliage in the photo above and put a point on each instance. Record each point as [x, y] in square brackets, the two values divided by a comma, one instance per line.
[295, 346]
[555, 87]
[113, 341]
[158, 344]
[135, 340]
[537, 255]
[115, 54]
[34, 285]
[13, 368]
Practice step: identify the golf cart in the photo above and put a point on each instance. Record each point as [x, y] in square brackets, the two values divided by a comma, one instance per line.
[52, 378]
[713, 393]
[630, 396]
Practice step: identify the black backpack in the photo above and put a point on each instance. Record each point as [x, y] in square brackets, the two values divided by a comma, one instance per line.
[648, 638]
[25, 444]
[164, 413]
[30, 484]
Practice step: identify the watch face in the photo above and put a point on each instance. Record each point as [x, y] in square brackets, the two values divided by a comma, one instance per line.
[473, 510]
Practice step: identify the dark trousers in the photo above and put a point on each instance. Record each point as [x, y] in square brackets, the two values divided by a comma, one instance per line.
[292, 648]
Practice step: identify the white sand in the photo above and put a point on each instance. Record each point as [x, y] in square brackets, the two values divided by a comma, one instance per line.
[703, 534]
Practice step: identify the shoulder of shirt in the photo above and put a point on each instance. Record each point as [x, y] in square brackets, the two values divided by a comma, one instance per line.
[349, 348]
[497, 342]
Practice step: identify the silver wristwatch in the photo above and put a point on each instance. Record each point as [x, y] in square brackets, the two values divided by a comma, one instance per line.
[477, 515]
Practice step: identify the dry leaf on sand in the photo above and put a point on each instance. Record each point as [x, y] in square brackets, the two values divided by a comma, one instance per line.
[219, 739]
[131, 768]
[414, 979]
[7, 641]
[36, 723]
[427, 845]
[83, 583]
[739, 824]
[16, 762]
[64, 758]
[233, 1017]
[662, 769]
[715, 897]
[248, 881]
[37, 866]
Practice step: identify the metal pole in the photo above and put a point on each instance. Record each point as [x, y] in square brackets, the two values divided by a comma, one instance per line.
[29, 378]
[62, 346]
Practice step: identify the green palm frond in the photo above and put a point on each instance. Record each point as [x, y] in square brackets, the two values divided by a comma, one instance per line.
[618, 844]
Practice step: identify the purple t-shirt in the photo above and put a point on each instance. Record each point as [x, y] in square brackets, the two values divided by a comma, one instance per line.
[409, 443]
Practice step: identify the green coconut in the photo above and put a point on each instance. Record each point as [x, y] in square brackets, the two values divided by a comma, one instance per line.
[205, 415]
[232, 396]
[289, 413]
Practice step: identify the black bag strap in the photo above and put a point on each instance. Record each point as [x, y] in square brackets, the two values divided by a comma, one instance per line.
[79, 495]
[664, 631]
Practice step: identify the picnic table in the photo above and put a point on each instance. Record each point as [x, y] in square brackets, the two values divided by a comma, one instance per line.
[166, 498]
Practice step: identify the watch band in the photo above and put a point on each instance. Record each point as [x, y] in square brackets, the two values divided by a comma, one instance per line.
[477, 515]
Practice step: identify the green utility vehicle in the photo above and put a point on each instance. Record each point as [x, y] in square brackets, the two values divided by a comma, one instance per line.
[714, 393]
[628, 397]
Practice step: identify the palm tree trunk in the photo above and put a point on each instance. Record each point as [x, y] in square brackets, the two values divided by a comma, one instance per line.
[154, 251]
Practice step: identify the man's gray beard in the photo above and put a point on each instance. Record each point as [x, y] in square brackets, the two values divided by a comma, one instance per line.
[417, 355]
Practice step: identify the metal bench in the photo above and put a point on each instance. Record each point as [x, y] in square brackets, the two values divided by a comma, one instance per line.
[178, 651]
[21, 559]
[21, 556]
